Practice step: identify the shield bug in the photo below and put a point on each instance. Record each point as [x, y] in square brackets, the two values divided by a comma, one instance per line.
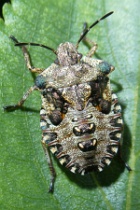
[80, 117]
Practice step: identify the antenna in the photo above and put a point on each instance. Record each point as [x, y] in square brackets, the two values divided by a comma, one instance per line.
[20, 44]
[95, 23]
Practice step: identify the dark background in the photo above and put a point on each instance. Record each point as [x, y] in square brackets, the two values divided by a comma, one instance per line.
[2, 2]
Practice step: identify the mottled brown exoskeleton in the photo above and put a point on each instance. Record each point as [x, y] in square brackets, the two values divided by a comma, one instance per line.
[81, 119]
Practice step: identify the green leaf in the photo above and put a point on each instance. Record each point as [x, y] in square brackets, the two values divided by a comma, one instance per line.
[24, 174]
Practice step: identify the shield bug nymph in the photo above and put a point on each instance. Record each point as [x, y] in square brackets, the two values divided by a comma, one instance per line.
[80, 117]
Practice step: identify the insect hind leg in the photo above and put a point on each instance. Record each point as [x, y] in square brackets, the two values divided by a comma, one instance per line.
[123, 162]
[50, 164]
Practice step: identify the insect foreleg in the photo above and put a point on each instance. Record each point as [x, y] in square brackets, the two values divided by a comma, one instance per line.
[27, 57]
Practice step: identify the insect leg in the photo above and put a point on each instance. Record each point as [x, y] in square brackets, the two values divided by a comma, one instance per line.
[21, 102]
[27, 57]
[28, 61]
[89, 42]
[123, 162]
[50, 164]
